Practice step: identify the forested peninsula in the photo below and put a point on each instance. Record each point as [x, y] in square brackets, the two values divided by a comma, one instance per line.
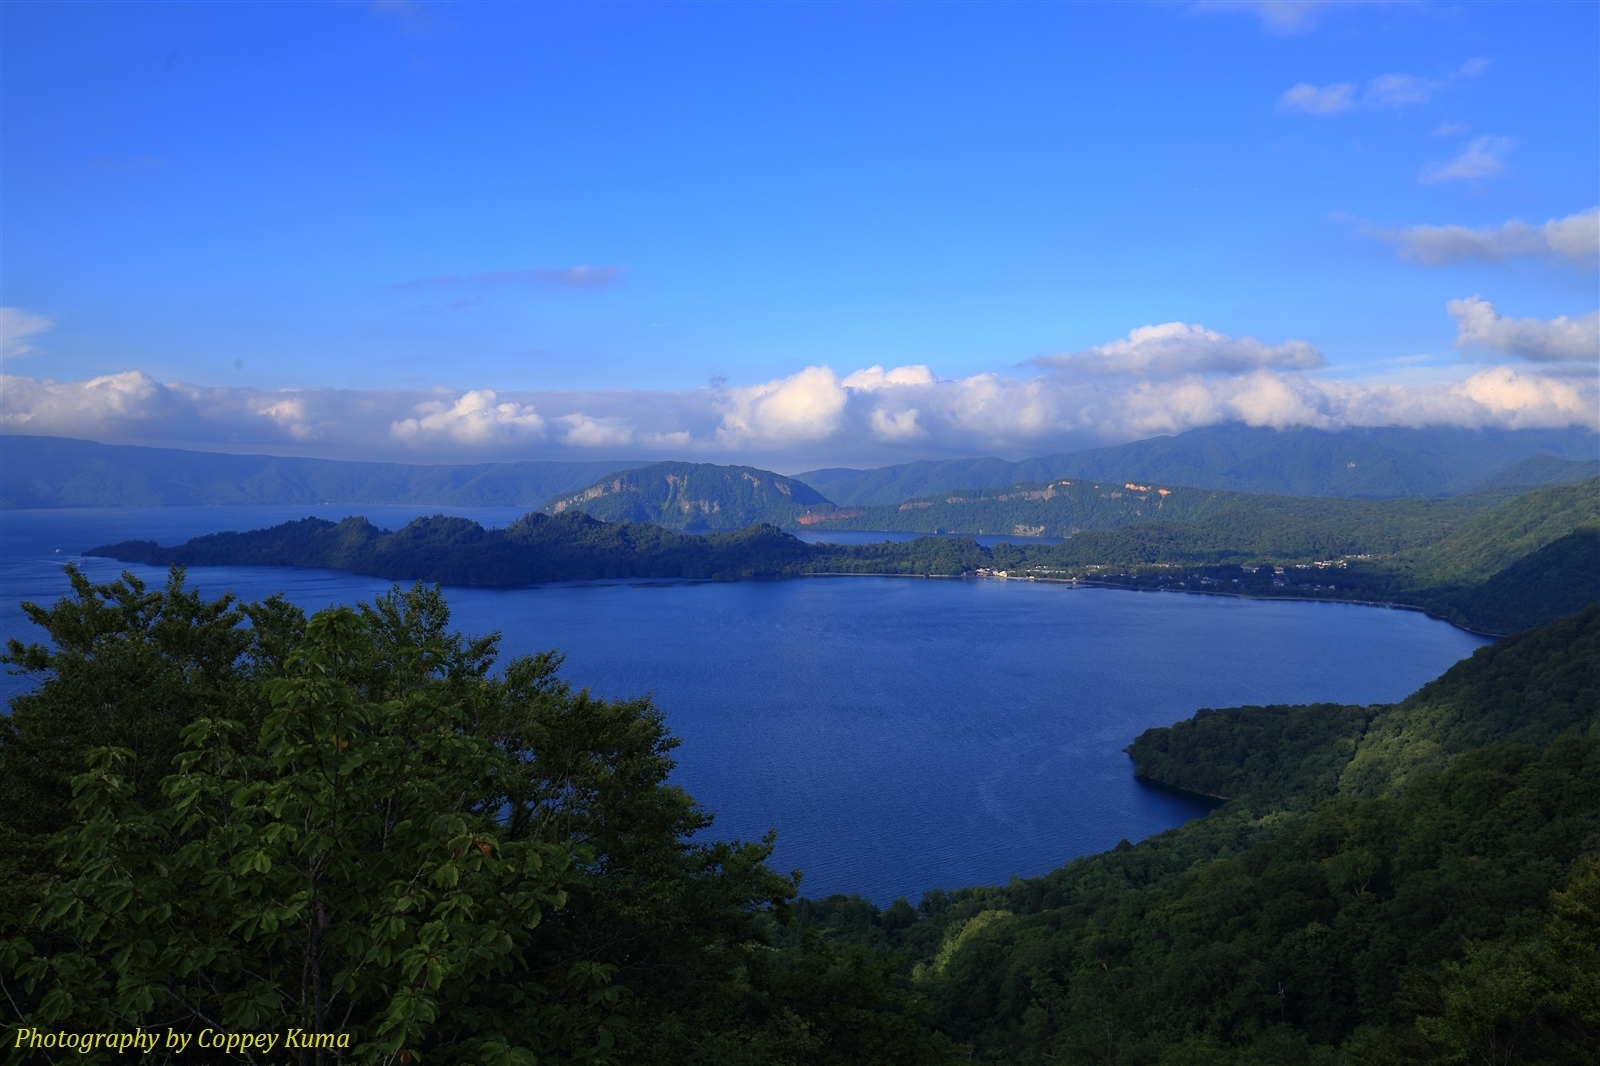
[1408, 883]
[1496, 563]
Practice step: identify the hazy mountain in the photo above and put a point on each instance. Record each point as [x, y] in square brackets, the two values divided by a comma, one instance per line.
[1071, 505]
[1542, 470]
[61, 472]
[695, 496]
[1293, 462]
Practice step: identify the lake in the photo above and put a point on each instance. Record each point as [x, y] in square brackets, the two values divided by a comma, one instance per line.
[899, 734]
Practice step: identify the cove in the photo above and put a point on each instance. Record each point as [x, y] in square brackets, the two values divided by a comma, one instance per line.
[899, 734]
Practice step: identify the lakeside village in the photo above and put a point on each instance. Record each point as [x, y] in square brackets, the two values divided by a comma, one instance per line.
[1110, 575]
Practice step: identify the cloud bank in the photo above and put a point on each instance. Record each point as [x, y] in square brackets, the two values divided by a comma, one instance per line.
[1559, 340]
[1159, 379]
[1574, 239]
[1178, 348]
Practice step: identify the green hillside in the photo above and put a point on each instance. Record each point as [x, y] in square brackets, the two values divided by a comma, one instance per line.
[697, 496]
[1518, 563]
[60, 472]
[1539, 470]
[1488, 542]
[1367, 551]
[1064, 508]
[1416, 883]
[1360, 461]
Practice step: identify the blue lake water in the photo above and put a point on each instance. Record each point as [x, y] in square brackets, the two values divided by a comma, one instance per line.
[899, 734]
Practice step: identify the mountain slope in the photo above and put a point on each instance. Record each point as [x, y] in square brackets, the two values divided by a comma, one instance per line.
[1362, 461]
[1067, 507]
[695, 496]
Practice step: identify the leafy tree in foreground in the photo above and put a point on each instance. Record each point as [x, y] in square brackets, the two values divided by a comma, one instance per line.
[362, 829]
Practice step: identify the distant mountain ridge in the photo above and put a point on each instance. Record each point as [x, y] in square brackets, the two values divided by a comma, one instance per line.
[1369, 461]
[63, 472]
[1377, 463]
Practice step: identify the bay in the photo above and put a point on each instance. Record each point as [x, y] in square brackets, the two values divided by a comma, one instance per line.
[899, 734]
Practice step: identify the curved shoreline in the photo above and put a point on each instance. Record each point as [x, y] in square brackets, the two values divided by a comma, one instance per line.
[967, 576]
[1085, 583]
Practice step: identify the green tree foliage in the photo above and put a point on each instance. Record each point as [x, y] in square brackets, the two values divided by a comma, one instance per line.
[1261, 755]
[361, 828]
[1526, 689]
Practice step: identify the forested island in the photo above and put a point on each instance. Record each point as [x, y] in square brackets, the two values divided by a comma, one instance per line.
[234, 815]
[1496, 562]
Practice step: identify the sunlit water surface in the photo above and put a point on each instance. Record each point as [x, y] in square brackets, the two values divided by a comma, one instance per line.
[899, 734]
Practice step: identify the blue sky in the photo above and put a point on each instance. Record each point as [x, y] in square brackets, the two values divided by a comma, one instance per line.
[435, 231]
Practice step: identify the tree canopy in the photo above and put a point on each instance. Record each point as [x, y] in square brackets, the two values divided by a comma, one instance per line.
[233, 816]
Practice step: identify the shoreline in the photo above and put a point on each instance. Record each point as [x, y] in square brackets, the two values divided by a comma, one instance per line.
[968, 576]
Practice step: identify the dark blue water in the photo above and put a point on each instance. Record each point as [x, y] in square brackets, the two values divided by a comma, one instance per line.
[899, 734]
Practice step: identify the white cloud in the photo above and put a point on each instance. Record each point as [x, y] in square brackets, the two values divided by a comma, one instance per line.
[1400, 90]
[902, 425]
[1178, 348]
[805, 406]
[875, 377]
[16, 326]
[1575, 238]
[586, 432]
[1277, 16]
[1318, 100]
[1386, 90]
[474, 418]
[1561, 339]
[1483, 157]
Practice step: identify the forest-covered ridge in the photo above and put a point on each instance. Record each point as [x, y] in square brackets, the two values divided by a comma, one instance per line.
[1359, 461]
[1407, 883]
[1070, 506]
[1494, 567]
